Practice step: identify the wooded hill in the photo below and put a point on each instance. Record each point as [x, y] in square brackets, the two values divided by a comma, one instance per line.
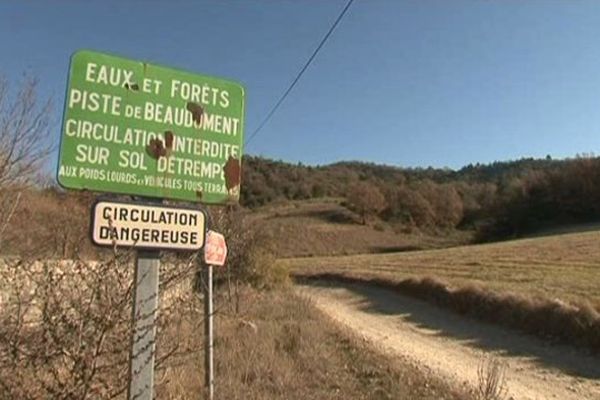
[501, 199]
[497, 201]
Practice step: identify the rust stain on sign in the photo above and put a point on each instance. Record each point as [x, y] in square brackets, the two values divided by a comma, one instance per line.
[156, 149]
[135, 87]
[199, 194]
[232, 171]
[196, 110]
[169, 136]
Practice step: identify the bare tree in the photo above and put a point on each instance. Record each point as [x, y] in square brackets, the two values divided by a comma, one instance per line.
[24, 131]
[65, 326]
[24, 144]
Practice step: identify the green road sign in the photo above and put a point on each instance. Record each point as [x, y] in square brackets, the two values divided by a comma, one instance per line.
[141, 129]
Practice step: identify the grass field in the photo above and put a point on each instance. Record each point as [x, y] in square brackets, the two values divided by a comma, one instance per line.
[565, 267]
[548, 286]
[326, 228]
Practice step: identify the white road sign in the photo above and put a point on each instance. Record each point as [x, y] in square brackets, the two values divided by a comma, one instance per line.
[147, 226]
[215, 250]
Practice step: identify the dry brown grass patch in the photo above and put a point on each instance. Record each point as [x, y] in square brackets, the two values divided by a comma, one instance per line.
[280, 347]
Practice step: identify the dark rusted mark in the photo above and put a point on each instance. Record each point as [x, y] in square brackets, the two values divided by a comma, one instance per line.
[135, 87]
[156, 149]
[196, 110]
[232, 171]
[199, 194]
[169, 136]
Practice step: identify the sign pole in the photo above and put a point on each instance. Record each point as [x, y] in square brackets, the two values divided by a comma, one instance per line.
[143, 343]
[215, 253]
[144, 314]
[208, 333]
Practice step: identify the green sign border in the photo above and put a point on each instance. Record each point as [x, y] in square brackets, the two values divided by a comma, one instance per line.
[138, 189]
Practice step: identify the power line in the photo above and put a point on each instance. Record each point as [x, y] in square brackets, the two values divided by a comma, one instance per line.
[289, 89]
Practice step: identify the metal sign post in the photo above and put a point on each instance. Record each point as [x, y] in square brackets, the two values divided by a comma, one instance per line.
[215, 253]
[143, 343]
[209, 375]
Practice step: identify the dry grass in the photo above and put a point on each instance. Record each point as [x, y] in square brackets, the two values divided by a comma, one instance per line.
[565, 267]
[280, 347]
[56, 225]
[325, 228]
[65, 334]
[491, 379]
[546, 286]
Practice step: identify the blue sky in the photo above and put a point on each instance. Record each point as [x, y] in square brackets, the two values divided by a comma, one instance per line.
[408, 83]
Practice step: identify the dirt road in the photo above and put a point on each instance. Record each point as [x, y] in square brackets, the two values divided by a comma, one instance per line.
[450, 346]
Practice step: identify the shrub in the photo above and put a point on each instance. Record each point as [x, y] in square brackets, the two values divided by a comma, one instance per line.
[251, 258]
[380, 227]
[491, 380]
[24, 146]
[65, 326]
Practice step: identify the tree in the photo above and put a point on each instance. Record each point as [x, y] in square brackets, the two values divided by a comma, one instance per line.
[366, 199]
[413, 208]
[24, 132]
[24, 144]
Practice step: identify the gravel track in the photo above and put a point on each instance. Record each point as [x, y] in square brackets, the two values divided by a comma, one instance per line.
[450, 346]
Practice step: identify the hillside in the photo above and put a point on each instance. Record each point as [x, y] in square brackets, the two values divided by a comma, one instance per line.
[351, 208]
[323, 227]
[498, 200]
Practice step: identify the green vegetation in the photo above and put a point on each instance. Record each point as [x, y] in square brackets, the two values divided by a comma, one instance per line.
[499, 200]
[401, 209]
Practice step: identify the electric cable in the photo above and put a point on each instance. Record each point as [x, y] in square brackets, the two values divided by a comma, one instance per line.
[295, 81]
